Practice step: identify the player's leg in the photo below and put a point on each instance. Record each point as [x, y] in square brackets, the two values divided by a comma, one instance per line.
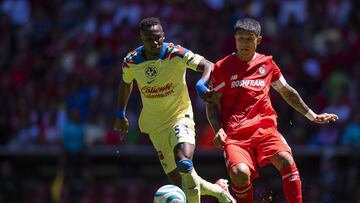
[285, 164]
[238, 163]
[174, 177]
[272, 147]
[183, 153]
[165, 142]
[190, 179]
[160, 141]
[184, 147]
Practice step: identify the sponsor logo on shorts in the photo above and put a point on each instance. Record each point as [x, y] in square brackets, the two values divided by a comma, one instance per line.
[294, 178]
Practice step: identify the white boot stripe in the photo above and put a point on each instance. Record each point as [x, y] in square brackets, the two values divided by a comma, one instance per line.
[290, 174]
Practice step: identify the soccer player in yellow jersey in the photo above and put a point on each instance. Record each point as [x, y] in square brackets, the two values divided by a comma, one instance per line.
[159, 69]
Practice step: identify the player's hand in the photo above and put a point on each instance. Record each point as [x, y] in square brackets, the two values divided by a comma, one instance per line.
[220, 138]
[211, 97]
[208, 96]
[325, 118]
[202, 90]
[122, 125]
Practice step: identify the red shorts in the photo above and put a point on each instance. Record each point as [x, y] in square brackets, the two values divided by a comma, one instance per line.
[254, 147]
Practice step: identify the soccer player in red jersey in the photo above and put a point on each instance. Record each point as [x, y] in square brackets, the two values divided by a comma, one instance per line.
[240, 111]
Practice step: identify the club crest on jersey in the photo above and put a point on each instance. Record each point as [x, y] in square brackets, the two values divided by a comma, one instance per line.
[262, 70]
[151, 72]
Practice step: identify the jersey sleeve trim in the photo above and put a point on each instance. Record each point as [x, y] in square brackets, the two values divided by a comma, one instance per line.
[281, 82]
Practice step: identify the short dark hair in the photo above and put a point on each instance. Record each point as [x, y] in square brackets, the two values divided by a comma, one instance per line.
[146, 23]
[248, 24]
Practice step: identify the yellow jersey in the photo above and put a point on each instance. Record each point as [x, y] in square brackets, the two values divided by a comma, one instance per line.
[162, 85]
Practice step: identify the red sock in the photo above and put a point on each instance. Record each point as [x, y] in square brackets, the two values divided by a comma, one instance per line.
[243, 194]
[291, 184]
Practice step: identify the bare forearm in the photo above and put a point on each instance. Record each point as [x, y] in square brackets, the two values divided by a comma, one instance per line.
[124, 94]
[213, 116]
[292, 97]
[206, 67]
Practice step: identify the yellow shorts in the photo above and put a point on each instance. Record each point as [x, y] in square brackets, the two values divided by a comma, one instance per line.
[167, 138]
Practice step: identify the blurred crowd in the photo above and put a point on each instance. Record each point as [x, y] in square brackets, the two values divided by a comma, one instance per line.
[60, 64]
[59, 57]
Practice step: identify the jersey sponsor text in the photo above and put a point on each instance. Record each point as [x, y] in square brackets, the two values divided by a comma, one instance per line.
[156, 92]
[251, 83]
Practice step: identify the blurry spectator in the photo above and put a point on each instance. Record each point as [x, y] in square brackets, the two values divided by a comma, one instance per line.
[51, 130]
[94, 130]
[129, 11]
[351, 134]
[327, 136]
[75, 154]
[56, 55]
[330, 180]
[351, 139]
[338, 11]
[18, 10]
[73, 135]
[292, 11]
[340, 104]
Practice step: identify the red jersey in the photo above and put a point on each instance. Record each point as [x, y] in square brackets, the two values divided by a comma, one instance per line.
[245, 89]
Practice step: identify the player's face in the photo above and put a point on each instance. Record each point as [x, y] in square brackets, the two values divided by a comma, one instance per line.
[246, 43]
[153, 39]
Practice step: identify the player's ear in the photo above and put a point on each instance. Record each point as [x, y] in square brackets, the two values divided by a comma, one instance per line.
[258, 39]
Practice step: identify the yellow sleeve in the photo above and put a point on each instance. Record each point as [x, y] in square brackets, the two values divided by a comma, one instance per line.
[192, 60]
[127, 73]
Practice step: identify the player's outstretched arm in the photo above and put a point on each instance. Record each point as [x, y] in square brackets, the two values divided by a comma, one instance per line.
[205, 67]
[213, 117]
[292, 97]
[121, 122]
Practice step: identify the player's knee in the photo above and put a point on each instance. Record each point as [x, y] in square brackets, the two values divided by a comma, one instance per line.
[184, 165]
[282, 160]
[240, 174]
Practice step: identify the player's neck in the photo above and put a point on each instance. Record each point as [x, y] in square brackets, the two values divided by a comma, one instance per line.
[246, 59]
[150, 56]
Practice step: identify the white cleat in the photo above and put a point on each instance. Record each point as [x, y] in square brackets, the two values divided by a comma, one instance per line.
[225, 196]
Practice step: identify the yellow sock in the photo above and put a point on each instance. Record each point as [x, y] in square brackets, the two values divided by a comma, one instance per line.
[191, 186]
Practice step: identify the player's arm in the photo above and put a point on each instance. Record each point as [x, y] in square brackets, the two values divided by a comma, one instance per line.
[205, 67]
[293, 98]
[125, 88]
[213, 116]
[121, 122]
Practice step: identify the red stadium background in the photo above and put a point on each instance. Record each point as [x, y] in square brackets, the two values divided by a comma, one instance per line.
[60, 65]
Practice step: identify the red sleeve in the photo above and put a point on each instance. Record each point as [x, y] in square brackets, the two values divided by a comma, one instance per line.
[217, 78]
[276, 72]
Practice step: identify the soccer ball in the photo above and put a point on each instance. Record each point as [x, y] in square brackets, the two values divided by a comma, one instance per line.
[169, 194]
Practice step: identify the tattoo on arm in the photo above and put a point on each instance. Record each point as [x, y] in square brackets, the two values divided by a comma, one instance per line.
[204, 65]
[292, 97]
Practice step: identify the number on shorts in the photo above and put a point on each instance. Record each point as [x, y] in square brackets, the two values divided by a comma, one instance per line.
[181, 128]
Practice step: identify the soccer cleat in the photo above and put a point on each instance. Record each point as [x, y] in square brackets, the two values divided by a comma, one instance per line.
[225, 196]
